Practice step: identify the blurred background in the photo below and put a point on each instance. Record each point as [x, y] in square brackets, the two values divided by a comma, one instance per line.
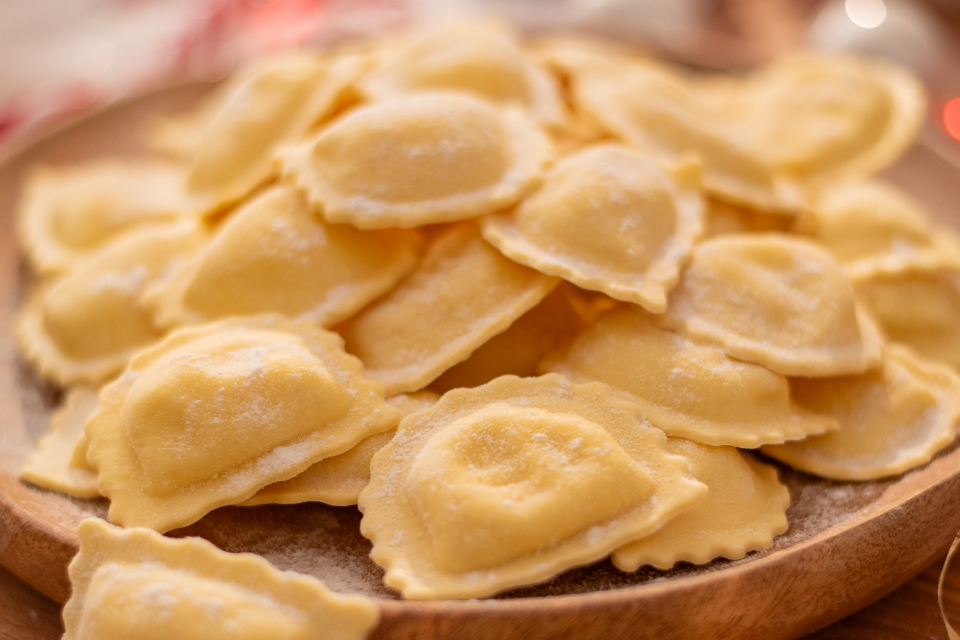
[61, 57]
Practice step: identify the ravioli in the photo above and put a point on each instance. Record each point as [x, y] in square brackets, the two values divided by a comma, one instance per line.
[274, 106]
[518, 350]
[340, 479]
[135, 583]
[685, 388]
[67, 214]
[83, 327]
[479, 58]
[544, 475]
[462, 294]
[216, 412]
[56, 463]
[419, 159]
[775, 300]
[891, 420]
[650, 106]
[830, 118]
[608, 219]
[744, 510]
[274, 255]
[918, 308]
[873, 228]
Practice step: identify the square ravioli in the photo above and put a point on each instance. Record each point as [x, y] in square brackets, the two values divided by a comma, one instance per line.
[66, 214]
[516, 481]
[216, 412]
[776, 300]
[462, 294]
[891, 420]
[340, 479]
[609, 219]
[60, 461]
[134, 583]
[84, 326]
[275, 255]
[419, 159]
[687, 389]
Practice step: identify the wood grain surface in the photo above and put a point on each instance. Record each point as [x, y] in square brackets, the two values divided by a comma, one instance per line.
[848, 545]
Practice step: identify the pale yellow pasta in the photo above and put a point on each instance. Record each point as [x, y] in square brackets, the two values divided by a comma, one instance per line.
[779, 301]
[340, 479]
[744, 510]
[58, 463]
[545, 475]
[918, 308]
[216, 412]
[725, 218]
[420, 159]
[891, 420]
[84, 326]
[134, 583]
[462, 294]
[275, 255]
[480, 58]
[684, 388]
[608, 218]
[873, 228]
[274, 106]
[67, 214]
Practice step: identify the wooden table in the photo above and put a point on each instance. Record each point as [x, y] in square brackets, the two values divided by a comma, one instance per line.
[909, 613]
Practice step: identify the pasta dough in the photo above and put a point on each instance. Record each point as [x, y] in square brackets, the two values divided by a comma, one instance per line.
[513, 482]
[608, 219]
[216, 412]
[275, 255]
[483, 59]
[778, 301]
[340, 479]
[420, 159]
[68, 214]
[687, 389]
[57, 464]
[744, 509]
[461, 295]
[891, 420]
[918, 308]
[84, 326]
[134, 583]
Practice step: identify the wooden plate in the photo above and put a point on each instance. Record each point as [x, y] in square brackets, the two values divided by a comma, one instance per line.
[848, 543]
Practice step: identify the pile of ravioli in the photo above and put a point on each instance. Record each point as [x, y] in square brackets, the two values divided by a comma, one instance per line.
[527, 304]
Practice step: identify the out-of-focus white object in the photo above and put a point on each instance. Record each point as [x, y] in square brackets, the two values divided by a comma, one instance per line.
[900, 30]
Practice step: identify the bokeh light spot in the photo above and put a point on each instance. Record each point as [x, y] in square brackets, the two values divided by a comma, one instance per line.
[951, 117]
[866, 13]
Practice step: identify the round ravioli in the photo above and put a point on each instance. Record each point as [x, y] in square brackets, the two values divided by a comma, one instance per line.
[84, 326]
[274, 255]
[608, 219]
[340, 479]
[60, 463]
[775, 300]
[462, 294]
[420, 159]
[278, 103]
[518, 350]
[831, 117]
[67, 214]
[918, 308]
[480, 58]
[649, 106]
[745, 507]
[690, 390]
[873, 228]
[891, 420]
[513, 482]
[134, 583]
[215, 412]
